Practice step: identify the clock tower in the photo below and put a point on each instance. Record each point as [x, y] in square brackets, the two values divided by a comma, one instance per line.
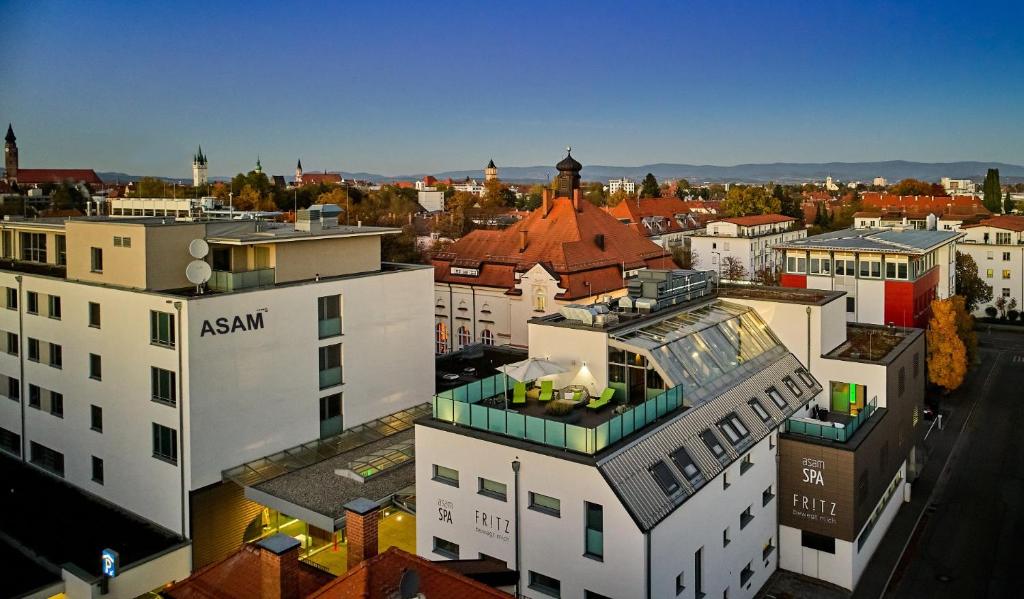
[11, 156]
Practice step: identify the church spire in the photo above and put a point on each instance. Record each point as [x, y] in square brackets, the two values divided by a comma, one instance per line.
[259, 167]
[10, 134]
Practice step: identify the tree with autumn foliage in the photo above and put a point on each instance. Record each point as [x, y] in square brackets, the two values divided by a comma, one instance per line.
[947, 355]
[965, 327]
[915, 187]
[733, 269]
[747, 200]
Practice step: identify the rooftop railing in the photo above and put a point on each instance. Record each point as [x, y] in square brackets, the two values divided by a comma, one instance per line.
[461, 406]
[828, 430]
[223, 280]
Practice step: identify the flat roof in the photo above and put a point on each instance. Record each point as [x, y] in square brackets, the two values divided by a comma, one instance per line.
[810, 297]
[63, 524]
[271, 232]
[873, 343]
[906, 241]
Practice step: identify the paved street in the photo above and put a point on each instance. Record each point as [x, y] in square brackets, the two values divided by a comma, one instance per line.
[967, 543]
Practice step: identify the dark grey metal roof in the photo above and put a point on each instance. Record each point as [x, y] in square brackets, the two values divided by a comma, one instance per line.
[907, 241]
[627, 470]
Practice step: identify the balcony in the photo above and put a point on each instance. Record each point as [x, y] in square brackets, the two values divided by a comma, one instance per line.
[482, 405]
[839, 427]
[330, 377]
[227, 281]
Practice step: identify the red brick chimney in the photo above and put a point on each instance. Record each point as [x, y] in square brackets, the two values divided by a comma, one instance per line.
[361, 519]
[279, 567]
[545, 202]
[576, 200]
[522, 241]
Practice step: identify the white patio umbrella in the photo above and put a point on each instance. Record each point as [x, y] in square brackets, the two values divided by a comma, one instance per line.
[528, 370]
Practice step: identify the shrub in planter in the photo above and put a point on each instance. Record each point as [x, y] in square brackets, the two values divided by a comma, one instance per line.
[991, 311]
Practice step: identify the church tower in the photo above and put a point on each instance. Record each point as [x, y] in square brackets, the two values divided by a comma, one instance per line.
[199, 166]
[491, 172]
[11, 155]
[259, 167]
[298, 173]
[568, 175]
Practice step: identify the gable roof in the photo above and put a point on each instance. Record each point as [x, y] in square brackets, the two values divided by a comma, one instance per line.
[755, 220]
[317, 178]
[1009, 222]
[379, 578]
[636, 210]
[872, 199]
[39, 176]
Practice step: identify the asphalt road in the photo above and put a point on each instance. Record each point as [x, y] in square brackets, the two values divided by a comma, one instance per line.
[968, 542]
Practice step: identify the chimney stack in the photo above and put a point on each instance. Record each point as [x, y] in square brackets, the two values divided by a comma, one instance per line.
[522, 241]
[361, 520]
[279, 567]
[576, 200]
[545, 203]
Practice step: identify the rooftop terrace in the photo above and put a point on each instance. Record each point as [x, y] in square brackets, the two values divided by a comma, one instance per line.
[872, 343]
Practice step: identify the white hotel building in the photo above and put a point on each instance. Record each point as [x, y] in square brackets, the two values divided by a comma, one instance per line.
[748, 240]
[997, 246]
[122, 379]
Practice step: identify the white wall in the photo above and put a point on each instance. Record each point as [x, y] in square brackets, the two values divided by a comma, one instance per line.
[571, 348]
[990, 257]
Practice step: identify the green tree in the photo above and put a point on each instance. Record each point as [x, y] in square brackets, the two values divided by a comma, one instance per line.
[788, 205]
[969, 285]
[965, 327]
[616, 198]
[595, 194]
[992, 193]
[66, 197]
[747, 200]
[149, 187]
[649, 188]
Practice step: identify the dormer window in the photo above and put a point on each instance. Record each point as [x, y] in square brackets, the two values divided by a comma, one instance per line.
[776, 397]
[712, 443]
[664, 477]
[791, 384]
[734, 429]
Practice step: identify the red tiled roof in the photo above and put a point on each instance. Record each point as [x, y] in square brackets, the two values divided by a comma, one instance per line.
[39, 176]
[1008, 222]
[874, 199]
[238, 577]
[379, 577]
[818, 195]
[564, 241]
[756, 219]
[318, 178]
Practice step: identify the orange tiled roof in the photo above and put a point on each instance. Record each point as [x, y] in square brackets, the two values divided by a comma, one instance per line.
[635, 210]
[756, 219]
[39, 176]
[939, 204]
[318, 178]
[1009, 222]
[564, 241]
[379, 577]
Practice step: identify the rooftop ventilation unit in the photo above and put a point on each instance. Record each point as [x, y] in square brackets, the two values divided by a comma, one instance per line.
[591, 315]
[654, 290]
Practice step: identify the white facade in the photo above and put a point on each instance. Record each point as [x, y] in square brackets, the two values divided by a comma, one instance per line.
[750, 245]
[999, 254]
[430, 198]
[471, 186]
[958, 186]
[626, 185]
[880, 182]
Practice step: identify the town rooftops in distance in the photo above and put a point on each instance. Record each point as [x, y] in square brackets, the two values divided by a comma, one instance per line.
[883, 241]
[756, 219]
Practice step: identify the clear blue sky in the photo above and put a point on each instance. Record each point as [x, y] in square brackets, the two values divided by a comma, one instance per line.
[408, 87]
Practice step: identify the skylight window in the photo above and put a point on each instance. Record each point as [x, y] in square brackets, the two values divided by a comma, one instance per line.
[775, 396]
[684, 462]
[792, 385]
[805, 377]
[734, 429]
[712, 442]
[666, 480]
[755, 404]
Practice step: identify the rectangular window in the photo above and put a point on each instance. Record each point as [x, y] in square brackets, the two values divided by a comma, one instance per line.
[97, 470]
[35, 395]
[329, 316]
[758, 408]
[664, 477]
[96, 418]
[1002, 238]
[901, 269]
[725, 537]
[712, 443]
[1006, 292]
[96, 259]
[545, 585]
[62, 250]
[545, 504]
[684, 462]
[33, 247]
[725, 480]
[680, 583]
[449, 476]
[165, 443]
[330, 365]
[33, 349]
[8, 244]
[734, 429]
[1006, 256]
[745, 518]
[805, 377]
[13, 344]
[746, 464]
[56, 356]
[594, 538]
[776, 397]
[46, 458]
[13, 389]
[57, 404]
[54, 306]
[768, 548]
[767, 496]
[330, 415]
[161, 328]
[492, 488]
[163, 386]
[446, 548]
[746, 574]
[592, 595]
[32, 302]
[10, 442]
[890, 270]
[792, 386]
[1006, 273]
[12, 298]
[95, 367]
[818, 542]
[698, 572]
[988, 273]
[94, 315]
[851, 305]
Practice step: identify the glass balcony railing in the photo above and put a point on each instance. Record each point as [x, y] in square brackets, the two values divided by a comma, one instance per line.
[223, 280]
[829, 430]
[330, 377]
[461, 406]
[329, 327]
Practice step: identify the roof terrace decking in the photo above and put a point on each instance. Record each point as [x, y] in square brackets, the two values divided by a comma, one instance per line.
[839, 427]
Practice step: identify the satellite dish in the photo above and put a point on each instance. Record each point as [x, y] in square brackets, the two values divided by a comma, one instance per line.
[198, 248]
[409, 586]
[198, 272]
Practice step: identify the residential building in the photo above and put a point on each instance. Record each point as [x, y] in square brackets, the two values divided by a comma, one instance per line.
[748, 240]
[626, 185]
[878, 201]
[204, 208]
[668, 489]
[946, 218]
[117, 350]
[27, 177]
[665, 221]
[880, 182]
[830, 185]
[200, 168]
[958, 186]
[470, 186]
[847, 459]
[431, 199]
[890, 276]
[491, 282]
[997, 247]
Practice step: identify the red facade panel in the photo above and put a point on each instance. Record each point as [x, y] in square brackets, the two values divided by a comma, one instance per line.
[908, 304]
[795, 281]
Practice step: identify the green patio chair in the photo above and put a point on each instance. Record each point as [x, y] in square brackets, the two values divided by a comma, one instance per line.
[547, 390]
[519, 393]
[600, 402]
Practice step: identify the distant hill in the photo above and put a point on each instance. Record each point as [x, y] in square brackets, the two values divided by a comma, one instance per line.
[781, 172]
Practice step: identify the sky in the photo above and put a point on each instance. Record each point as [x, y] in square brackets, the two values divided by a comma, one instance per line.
[394, 87]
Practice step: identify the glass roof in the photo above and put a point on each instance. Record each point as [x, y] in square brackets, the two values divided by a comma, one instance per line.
[695, 347]
[374, 463]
